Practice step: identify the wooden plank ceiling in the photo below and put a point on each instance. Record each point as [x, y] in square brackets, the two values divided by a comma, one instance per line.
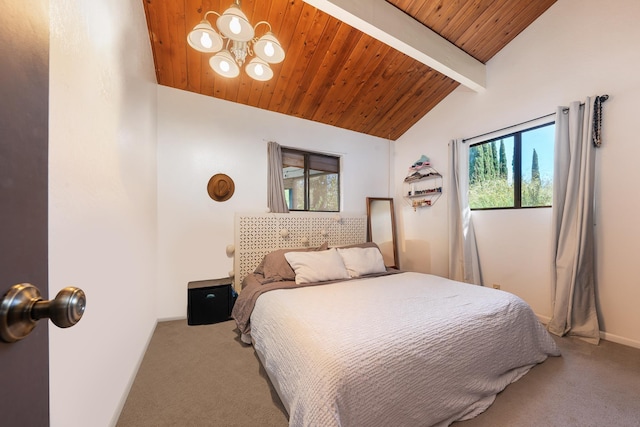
[333, 73]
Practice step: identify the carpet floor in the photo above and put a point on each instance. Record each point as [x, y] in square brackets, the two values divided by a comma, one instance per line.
[204, 376]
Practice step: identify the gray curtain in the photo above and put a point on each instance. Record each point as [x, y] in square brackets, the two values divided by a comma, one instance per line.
[464, 262]
[275, 181]
[573, 270]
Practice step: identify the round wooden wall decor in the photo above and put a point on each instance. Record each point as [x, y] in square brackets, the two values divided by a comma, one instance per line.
[220, 187]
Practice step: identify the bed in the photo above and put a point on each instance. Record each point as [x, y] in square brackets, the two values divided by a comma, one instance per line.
[372, 347]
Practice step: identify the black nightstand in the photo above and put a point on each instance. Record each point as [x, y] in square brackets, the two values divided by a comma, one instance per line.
[210, 301]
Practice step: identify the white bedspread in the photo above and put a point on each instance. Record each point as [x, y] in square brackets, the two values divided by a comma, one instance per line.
[404, 350]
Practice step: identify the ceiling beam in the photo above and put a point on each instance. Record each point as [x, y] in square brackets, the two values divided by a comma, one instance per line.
[384, 22]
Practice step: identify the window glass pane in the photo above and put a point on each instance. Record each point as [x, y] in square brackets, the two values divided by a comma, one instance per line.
[323, 163]
[537, 166]
[311, 181]
[294, 187]
[288, 198]
[323, 191]
[491, 174]
[292, 158]
[513, 171]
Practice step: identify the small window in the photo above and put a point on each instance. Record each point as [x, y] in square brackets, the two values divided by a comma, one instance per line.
[311, 181]
[513, 171]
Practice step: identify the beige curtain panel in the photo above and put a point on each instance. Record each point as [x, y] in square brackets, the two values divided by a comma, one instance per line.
[573, 271]
[275, 180]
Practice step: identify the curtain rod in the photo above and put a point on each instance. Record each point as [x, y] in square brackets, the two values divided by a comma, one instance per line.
[601, 99]
[509, 127]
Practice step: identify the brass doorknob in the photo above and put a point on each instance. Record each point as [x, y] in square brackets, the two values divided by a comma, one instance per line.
[22, 306]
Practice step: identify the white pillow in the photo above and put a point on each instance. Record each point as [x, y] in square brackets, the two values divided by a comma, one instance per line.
[361, 261]
[317, 266]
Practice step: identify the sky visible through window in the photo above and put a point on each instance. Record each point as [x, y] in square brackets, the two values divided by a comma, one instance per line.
[540, 139]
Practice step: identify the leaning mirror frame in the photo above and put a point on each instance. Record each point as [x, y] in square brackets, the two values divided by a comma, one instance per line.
[381, 228]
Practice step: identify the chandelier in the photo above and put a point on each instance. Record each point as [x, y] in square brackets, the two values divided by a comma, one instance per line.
[235, 42]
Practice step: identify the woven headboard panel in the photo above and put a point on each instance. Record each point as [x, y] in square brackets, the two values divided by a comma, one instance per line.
[258, 234]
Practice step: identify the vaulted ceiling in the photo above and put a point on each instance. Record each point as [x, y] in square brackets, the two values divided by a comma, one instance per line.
[337, 74]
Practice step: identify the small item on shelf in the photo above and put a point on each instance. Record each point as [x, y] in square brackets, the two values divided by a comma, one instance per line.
[420, 203]
[416, 176]
[426, 191]
[422, 162]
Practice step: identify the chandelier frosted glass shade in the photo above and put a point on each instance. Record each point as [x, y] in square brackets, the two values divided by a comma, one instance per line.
[268, 49]
[259, 70]
[233, 24]
[235, 42]
[224, 64]
[204, 38]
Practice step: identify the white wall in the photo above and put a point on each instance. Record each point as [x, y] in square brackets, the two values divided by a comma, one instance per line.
[102, 203]
[105, 237]
[200, 136]
[576, 49]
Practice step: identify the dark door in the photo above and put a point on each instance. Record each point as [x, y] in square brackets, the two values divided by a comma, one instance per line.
[24, 105]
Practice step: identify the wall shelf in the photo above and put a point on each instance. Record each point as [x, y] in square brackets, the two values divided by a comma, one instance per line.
[422, 187]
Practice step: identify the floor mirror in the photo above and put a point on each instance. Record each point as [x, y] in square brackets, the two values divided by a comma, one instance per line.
[381, 228]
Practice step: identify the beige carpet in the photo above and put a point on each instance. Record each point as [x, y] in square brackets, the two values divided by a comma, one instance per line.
[203, 376]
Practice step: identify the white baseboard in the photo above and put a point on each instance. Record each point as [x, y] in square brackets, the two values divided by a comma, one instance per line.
[169, 319]
[619, 340]
[125, 394]
[544, 319]
[603, 335]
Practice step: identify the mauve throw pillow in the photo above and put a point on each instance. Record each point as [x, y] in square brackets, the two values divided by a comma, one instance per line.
[275, 268]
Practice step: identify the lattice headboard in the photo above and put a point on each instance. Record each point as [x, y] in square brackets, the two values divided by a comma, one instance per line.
[258, 234]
